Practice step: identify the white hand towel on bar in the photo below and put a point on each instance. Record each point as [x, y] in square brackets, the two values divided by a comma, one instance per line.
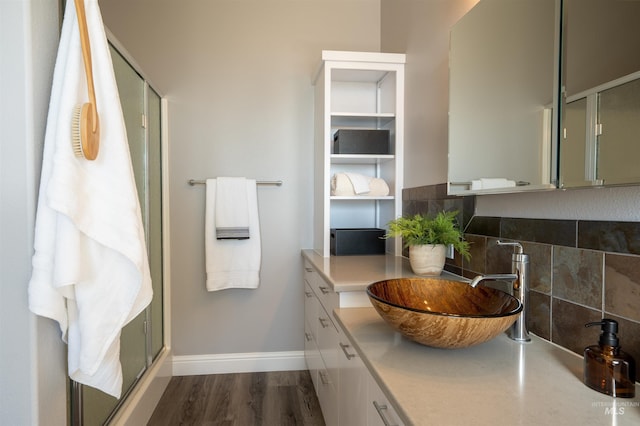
[90, 267]
[232, 208]
[232, 263]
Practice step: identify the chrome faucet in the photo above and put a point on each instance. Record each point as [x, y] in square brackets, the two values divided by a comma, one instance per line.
[492, 277]
[520, 279]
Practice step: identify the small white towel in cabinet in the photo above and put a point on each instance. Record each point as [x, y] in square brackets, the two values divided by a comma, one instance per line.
[342, 184]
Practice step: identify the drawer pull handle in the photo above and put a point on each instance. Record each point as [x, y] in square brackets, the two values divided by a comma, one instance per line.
[325, 290]
[308, 294]
[308, 337]
[323, 378]
[381, 409]
[323, 322]
[344, 349]
[308, 269]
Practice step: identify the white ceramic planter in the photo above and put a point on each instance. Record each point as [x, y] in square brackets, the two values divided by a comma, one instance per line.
[427, 259]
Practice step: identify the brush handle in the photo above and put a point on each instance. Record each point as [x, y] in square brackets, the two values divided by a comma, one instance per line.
[86, 56]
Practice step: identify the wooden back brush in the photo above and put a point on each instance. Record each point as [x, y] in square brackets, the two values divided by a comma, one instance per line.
[85, 128]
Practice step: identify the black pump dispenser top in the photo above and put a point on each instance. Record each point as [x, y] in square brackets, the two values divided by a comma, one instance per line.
[608, 328]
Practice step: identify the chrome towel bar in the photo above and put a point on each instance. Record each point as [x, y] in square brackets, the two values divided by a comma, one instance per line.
[259, 182]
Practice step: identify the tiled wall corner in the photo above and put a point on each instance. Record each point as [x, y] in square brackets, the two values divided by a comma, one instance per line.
[581, 271]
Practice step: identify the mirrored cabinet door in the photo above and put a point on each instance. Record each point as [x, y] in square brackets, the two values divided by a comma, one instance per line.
[600, 93]
[502, 105]
[619, 134]
[542, 93]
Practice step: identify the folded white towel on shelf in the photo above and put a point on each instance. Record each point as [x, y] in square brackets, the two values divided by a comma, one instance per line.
[379, 187]
[360, 183]
[232, 263]
[342, 184]
[90, 267]
[491, 183]
[232, 208]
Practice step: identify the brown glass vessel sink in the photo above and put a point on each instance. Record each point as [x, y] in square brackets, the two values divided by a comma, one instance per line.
[443, 313]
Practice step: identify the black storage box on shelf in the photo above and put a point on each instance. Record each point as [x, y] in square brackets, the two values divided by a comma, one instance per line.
[361, 141]
[354, 241]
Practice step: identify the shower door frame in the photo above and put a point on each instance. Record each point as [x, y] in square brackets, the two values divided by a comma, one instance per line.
[138, 401]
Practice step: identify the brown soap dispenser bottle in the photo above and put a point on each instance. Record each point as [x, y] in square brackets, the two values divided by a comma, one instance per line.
[607, 368]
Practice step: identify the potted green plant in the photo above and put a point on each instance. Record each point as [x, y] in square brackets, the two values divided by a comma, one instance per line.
[427, 238]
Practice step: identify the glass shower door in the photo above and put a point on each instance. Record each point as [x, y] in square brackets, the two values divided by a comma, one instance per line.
[131, 88]
[142, 339]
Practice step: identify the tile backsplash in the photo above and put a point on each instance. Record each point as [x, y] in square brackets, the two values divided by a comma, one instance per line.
[581, 271]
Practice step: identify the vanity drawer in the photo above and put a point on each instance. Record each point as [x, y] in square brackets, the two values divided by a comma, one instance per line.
[312, 355]
[324, 291]
[311, 310]
[328, 343]
[380, 412]
[352, 386]
[328, 398]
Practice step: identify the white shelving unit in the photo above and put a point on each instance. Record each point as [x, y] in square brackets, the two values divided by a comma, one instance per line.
[357, 90]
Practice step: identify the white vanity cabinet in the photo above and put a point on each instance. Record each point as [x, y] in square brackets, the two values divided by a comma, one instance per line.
[339, 381]
[357, 90]
[345, 389]
[321, 342]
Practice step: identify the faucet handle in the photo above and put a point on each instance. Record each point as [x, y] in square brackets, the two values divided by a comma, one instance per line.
[517, 247]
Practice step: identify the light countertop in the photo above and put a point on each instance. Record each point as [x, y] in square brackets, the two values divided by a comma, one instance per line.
[355, 273]
[500, 382]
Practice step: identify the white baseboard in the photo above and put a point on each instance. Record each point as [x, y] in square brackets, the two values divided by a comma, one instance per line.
[191, 365]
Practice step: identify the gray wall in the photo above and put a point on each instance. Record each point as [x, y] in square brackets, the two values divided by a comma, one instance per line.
[32, 356]
[237, 75]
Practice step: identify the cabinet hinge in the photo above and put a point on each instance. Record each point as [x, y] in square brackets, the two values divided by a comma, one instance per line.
[143, 120]
[145, 327]
[598, 129]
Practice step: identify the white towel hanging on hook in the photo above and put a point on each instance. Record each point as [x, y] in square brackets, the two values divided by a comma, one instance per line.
[90, 266]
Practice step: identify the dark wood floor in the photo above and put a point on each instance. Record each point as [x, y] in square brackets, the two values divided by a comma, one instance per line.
[276, 398]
